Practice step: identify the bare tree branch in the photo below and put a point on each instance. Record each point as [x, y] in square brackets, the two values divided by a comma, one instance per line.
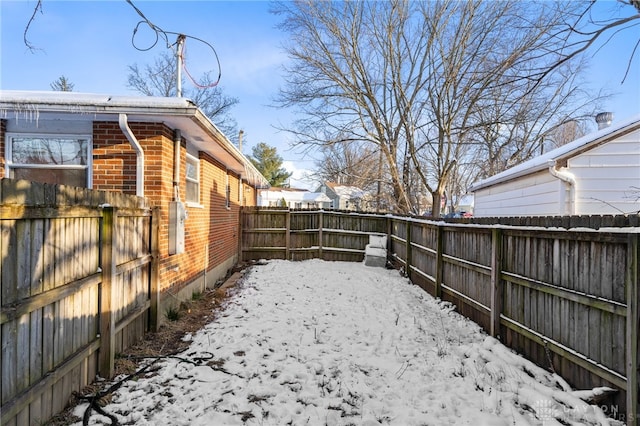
[440, 89]
[36, 9]
[159, 79]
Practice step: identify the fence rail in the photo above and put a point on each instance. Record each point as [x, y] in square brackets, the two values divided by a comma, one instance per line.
[566, 299]
[307, 234]
[77, 286]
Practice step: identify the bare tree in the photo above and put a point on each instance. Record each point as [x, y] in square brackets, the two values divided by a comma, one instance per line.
[583, 29]
[413, 79]
[353, 164]
[62, 84]
[159, 79]
[509, 130]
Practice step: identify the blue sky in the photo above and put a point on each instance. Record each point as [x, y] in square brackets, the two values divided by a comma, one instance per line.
[90, 43]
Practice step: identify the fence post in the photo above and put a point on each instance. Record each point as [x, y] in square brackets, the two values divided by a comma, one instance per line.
[241, 213]
[496, 283]
[407, 263]
[439, 262]
[154, 284]
[320, 234]
[633, 317]
[287, 236]
[108, 266]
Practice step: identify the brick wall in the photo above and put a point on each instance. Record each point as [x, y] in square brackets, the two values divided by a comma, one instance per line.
[219, 229]
[211, 231]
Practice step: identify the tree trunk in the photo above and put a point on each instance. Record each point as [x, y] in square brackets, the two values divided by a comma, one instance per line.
[436, 208]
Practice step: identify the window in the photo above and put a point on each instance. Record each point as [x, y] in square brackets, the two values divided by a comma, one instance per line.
[193, 180]
[55, 159]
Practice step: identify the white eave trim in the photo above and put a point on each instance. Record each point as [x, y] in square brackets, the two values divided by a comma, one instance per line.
[29, 105]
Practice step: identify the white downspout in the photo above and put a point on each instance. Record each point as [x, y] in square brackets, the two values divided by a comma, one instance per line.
[177, 139]
[124, 126]
[568, 178]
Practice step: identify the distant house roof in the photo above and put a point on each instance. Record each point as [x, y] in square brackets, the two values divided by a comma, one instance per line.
[287, 189]
[564, 152]
[180, 113]
[294, 195]
[345, 191]
[317, 197]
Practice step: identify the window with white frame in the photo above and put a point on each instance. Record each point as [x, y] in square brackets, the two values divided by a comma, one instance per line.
[193, 180]
[55, 159]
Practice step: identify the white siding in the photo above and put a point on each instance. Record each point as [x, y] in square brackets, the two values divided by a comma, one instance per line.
[533, 195]
[608, 177]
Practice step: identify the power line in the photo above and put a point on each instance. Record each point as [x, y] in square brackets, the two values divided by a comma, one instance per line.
[160, 33]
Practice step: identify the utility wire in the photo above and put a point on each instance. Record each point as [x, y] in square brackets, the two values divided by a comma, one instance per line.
[160, 33]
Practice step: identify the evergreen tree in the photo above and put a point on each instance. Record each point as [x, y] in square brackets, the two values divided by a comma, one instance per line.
[269, 163]
[62, 84]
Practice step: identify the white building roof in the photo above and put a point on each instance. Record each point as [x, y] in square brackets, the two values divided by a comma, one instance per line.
[350, 192]
[317, 197]
[565, 151]
[294, 196]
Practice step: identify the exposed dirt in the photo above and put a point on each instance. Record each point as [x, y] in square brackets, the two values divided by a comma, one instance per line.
[168, 340]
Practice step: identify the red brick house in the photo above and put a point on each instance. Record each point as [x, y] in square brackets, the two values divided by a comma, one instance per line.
[163, 149]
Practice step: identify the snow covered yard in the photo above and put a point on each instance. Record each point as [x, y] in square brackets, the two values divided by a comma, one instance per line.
[336, 343]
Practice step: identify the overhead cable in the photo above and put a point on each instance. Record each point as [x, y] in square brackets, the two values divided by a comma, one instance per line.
[160, 33]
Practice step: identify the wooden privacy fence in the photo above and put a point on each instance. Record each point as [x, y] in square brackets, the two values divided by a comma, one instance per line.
[306, 234]
[568, 300]
[78, 285]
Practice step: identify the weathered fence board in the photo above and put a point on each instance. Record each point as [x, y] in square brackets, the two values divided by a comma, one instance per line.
[566, 299]
[52, 290]
[300, 234]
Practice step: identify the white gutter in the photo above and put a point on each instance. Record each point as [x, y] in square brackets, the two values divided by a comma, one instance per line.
[32, 104]
[568, 178]
[124, 126]
[250, 170]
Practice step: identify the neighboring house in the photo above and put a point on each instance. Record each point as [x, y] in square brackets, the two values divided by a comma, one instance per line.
[460, 205]
[596, 174]
[163, 149]
[343, 197]
[292, 198]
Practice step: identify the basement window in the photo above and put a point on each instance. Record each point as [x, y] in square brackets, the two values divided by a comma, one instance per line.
[193, 180]
[54, 159]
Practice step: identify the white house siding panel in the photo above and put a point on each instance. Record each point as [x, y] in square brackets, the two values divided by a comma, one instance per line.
[534, 195]
[608, 177]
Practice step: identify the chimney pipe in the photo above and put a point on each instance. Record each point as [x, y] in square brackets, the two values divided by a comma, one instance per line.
[604, 119]
[240, 134]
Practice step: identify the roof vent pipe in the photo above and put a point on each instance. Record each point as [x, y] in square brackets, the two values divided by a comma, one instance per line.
[124, 126]
[604, 119]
